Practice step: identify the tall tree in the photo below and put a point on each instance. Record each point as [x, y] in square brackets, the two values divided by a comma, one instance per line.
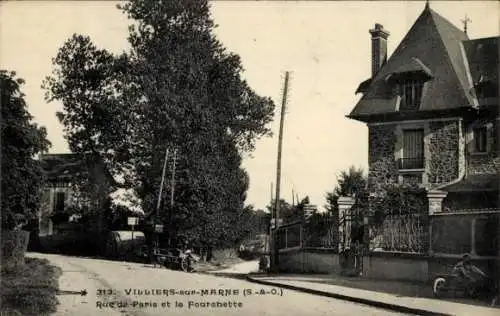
[349, 183]
[22, 141]
[177, 87]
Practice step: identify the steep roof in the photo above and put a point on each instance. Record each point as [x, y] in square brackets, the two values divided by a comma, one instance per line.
[434, 46]
[482, 56]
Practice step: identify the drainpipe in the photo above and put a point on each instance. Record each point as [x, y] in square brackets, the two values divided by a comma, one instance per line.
[460, 177]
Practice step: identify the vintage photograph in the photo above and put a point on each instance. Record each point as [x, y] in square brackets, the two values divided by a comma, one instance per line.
[213, 157]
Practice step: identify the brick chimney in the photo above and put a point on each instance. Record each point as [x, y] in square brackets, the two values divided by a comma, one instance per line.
[379, 47]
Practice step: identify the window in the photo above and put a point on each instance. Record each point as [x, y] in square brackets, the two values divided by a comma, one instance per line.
[411, 93]
[413, 149]
[480, 139]
[60, 197]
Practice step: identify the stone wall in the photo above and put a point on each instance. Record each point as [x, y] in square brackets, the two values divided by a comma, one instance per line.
[389, 266]
[309, 261]
[383, 167]
[444, 147]
[484, 163]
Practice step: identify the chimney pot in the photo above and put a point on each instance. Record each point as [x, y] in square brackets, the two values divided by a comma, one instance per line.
[379, 47]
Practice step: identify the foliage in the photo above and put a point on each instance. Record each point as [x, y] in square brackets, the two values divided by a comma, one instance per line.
[349, 183]
[179, 88]
[254, 222]
[320, 231]
[290, 213]
[22, 140]
[398, 200]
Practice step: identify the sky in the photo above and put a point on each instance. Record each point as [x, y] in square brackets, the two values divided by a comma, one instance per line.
[325, 45]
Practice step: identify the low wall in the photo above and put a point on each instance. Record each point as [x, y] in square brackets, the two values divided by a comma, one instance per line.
[396, 266]
[309, 260]
[380, 265]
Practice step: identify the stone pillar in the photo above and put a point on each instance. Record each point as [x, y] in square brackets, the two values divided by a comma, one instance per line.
[435, 199]
[345, 204]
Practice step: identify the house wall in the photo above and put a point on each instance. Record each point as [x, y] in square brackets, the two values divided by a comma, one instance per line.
[445, 144]
[47, 207]
[444, 148]
[481, 163]
[383, 167]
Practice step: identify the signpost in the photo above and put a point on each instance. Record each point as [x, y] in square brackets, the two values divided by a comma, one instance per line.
[158, 228]
[133, 221]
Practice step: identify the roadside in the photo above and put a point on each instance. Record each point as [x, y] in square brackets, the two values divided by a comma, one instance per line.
[73, 280]
[30, 289]
[131, 289]
[398, 296]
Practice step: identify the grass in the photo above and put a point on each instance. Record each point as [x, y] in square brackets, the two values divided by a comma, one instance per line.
[29, 289]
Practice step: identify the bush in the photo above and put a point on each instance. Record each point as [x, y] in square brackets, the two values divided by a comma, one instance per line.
[29, 289]
[14, 246]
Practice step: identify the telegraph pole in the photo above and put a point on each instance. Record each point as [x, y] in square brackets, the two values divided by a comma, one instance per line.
[274, 232]
[161, 184]
[172, 184]
[156, 234]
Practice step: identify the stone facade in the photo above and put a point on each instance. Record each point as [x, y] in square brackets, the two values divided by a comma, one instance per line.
[447, 148]
[383, 168]
[484, 163]
[444, 150]
[444, 145]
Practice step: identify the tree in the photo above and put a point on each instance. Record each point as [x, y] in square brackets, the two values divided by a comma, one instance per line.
[177, 87]
[349, 183]
[22, 141]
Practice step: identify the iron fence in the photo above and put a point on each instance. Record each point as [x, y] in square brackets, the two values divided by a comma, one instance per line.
[401, 233]
[320, 231]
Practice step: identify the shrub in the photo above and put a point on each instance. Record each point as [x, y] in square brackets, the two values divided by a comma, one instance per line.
[29, 289]
[14, 246]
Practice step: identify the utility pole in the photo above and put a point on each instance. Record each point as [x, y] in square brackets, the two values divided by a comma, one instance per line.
[274, 235]
[157, 237]
[172, 185]
[161, 184]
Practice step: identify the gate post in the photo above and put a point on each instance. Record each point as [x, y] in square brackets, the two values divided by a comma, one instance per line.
[345, 203]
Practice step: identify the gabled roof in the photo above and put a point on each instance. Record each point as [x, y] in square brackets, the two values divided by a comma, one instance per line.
[433, 45]
[413, 66]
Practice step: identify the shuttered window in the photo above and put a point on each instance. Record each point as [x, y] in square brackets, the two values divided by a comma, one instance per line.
[480, 139]
[411, 93]
[413, 149]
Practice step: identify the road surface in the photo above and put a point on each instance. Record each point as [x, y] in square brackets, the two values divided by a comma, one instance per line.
[122, 288]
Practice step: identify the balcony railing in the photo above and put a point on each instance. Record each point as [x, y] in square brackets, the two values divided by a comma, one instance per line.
[411, 163]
